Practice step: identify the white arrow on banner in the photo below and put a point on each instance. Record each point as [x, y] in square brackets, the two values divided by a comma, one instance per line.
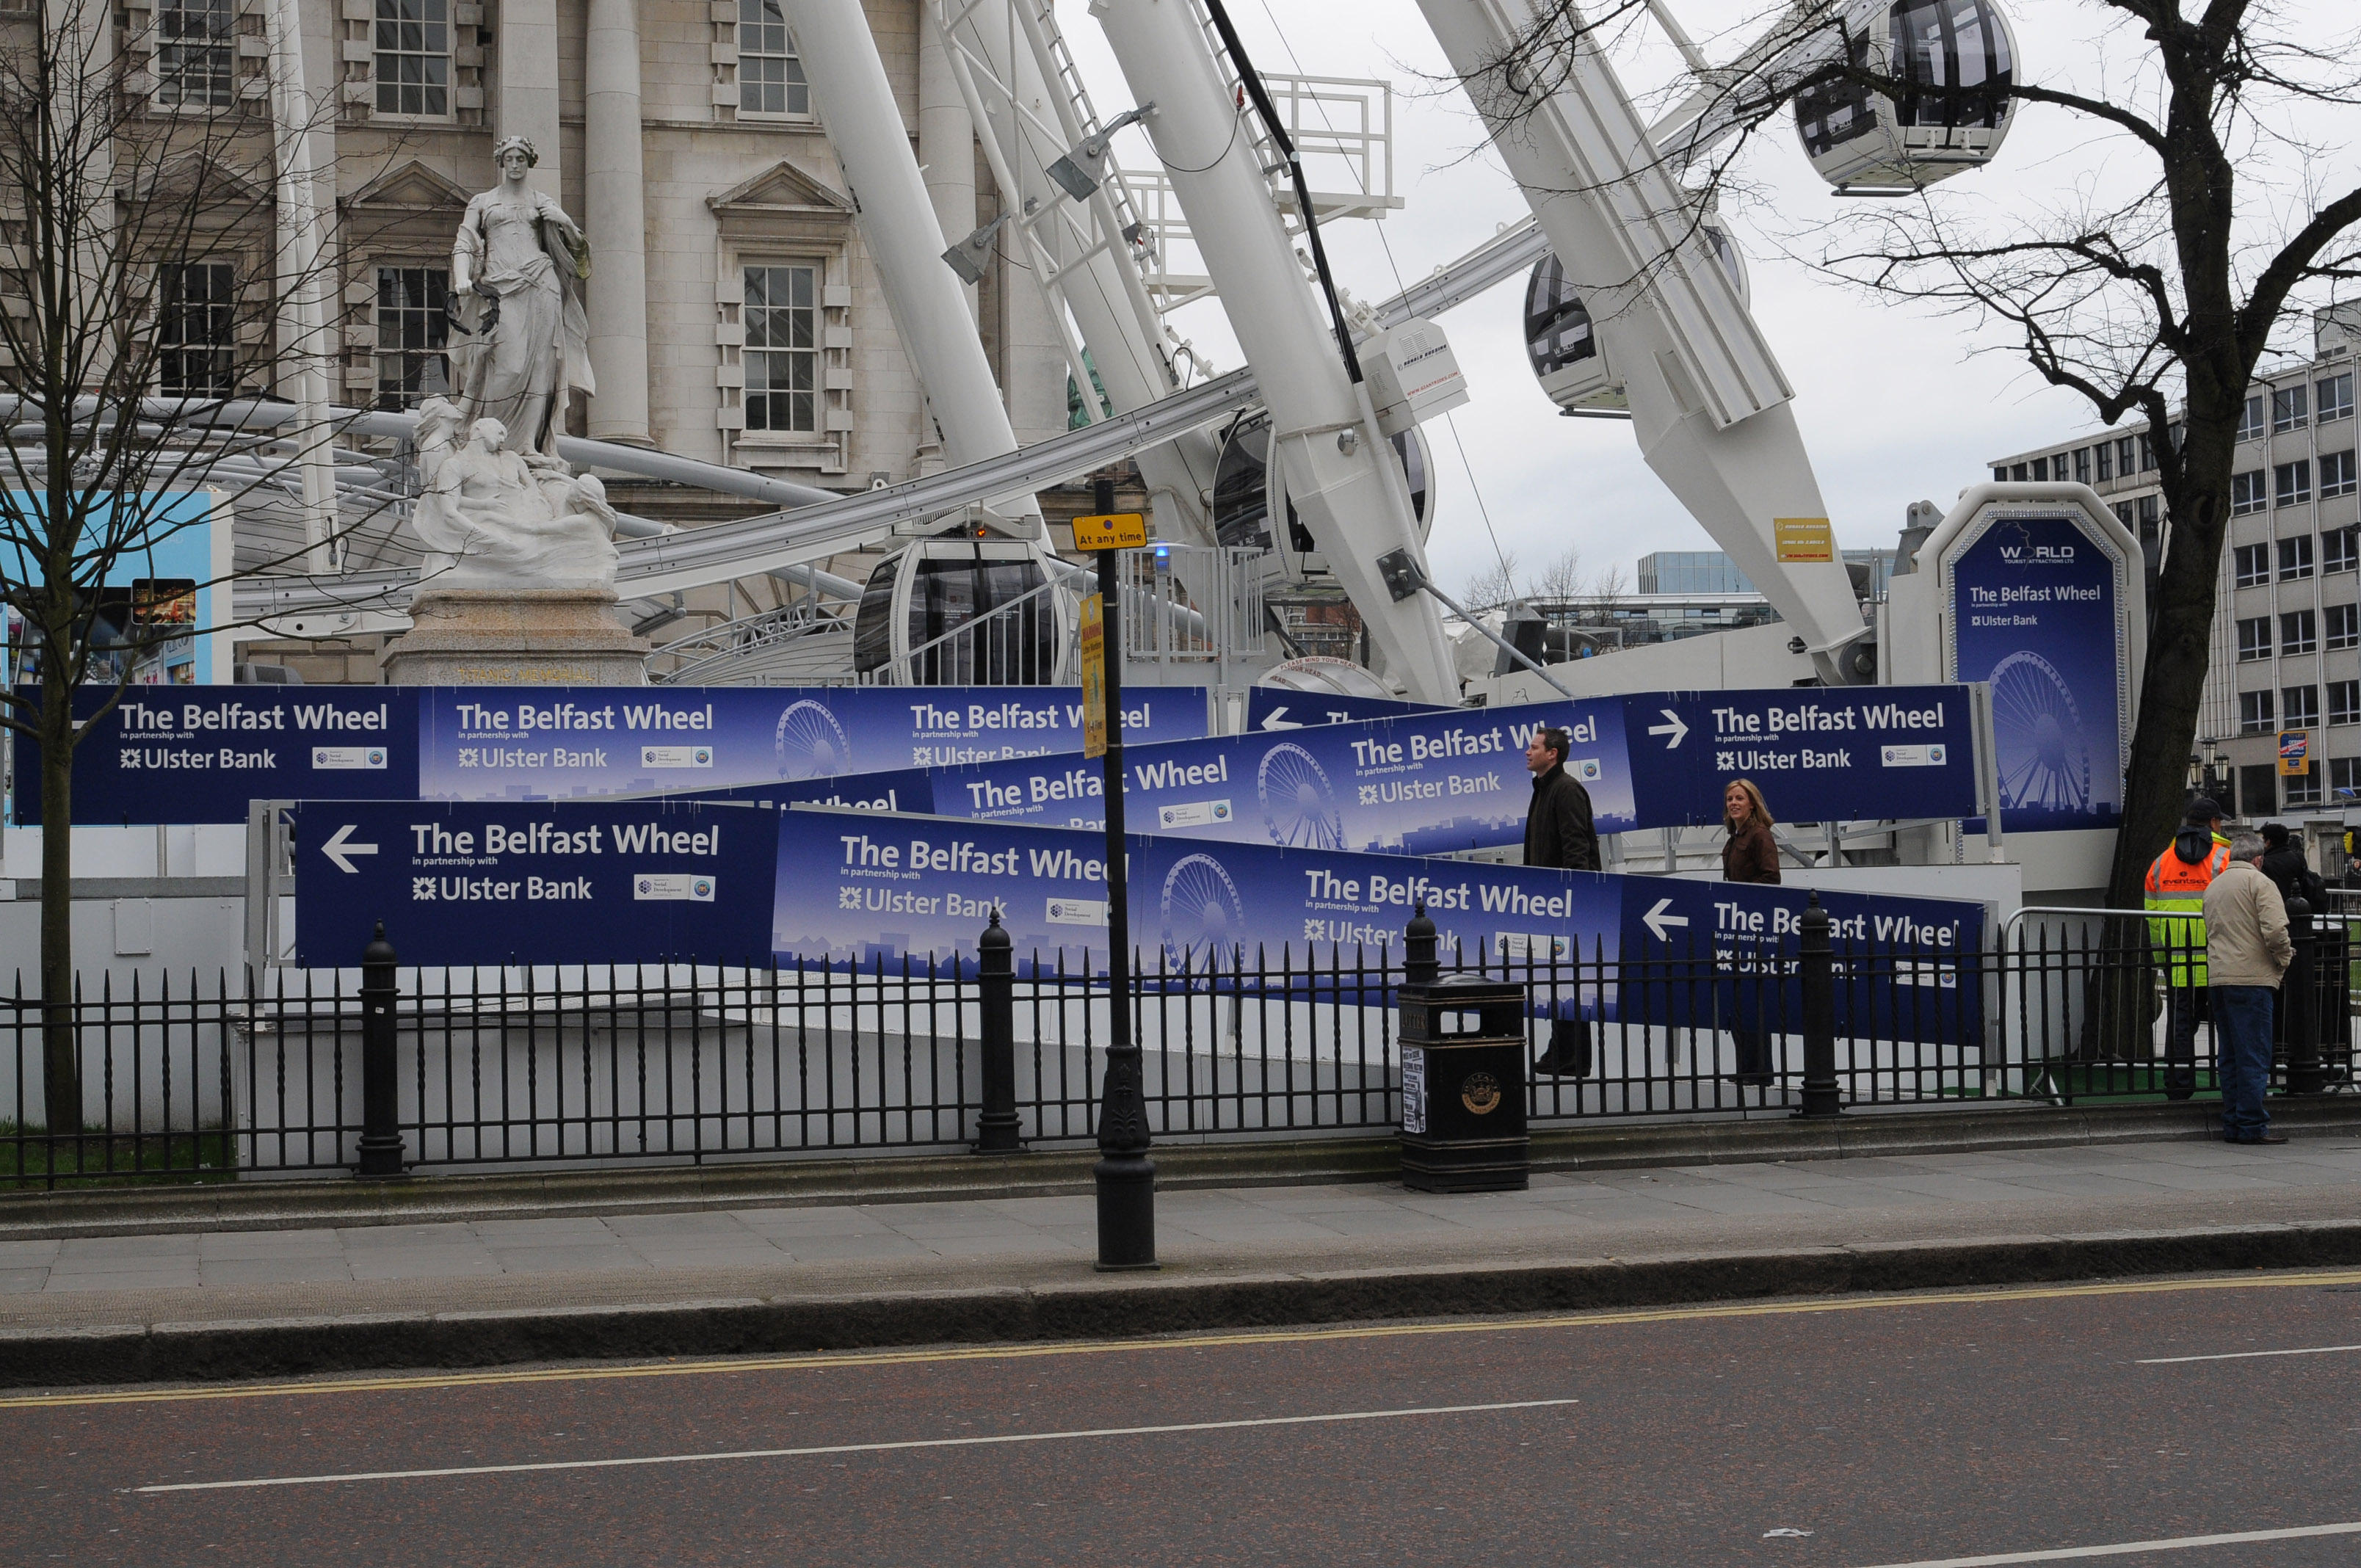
[341, 844]
[1272, 720]
[1656, 919]
[1677, 730]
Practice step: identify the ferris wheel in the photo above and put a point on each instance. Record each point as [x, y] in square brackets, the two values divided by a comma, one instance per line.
[1203, 912]
[2045, 761]
[810, 743]
[1298, 804]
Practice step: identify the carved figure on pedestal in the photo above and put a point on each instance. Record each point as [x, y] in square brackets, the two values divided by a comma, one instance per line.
[517, 272]
[490, 517]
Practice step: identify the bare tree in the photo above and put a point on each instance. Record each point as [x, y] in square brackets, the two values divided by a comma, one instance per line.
[1607, 587]
[1495, 586]
[152, 246]
[1561, 578]
[2227, 204]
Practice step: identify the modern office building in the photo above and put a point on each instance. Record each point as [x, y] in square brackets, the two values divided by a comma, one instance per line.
[2286, 654]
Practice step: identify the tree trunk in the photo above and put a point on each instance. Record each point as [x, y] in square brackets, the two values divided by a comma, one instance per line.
[60, 1063]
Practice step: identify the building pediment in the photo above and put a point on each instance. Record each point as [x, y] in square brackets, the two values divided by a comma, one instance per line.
[782, 190]
[411, 186]
[204, 182]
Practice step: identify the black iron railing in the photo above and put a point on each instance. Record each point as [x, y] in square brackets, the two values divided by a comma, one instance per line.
[215, 1077]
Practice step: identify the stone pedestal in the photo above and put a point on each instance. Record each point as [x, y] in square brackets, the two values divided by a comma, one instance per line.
[516, 637]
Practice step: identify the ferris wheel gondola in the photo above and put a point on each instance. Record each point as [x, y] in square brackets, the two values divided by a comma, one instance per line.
[2045, 760]
[957, 610]
[1248, 490]
[1203, 914]
[1959, 57]
[1298, 804]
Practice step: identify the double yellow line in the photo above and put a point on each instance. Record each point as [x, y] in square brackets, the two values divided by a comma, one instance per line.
[824, 1361]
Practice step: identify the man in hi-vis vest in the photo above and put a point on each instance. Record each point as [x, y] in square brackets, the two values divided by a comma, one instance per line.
[2176, 926]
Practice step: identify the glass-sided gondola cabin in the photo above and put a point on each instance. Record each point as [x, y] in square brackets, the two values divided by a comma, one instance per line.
[1958, 59]
[1562, 342]
[1245, 485]
[964, 611]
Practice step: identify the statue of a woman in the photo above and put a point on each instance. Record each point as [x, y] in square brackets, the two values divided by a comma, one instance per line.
[521, 261]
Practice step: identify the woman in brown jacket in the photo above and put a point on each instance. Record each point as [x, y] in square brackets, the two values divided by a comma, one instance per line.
[1749, 855]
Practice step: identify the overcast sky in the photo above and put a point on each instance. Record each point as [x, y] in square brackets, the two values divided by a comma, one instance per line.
[1895, 404]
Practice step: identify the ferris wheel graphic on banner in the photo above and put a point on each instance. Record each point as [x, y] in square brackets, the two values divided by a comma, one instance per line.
[2045, 760]
[1201, 911]
[1298, 804]
[810, 743]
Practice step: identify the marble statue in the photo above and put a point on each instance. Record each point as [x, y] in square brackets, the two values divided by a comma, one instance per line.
[490, 517]
[517, 272]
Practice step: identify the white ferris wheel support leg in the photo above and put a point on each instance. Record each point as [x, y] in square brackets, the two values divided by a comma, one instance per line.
[898, 219]
[302, 252]
[1320, 434]
[1709, 404]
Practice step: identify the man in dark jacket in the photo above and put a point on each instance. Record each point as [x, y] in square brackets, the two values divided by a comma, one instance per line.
[1558, 832]
[2284, 863]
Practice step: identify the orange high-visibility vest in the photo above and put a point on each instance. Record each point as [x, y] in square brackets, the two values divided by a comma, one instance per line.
[2176, 885]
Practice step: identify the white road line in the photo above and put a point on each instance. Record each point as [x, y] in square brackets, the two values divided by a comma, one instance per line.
[845, 1448]
[2246, 1355]
[2125, 1549]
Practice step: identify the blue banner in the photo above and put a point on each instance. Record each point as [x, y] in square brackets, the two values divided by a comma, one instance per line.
[1425, 783]
[581, 743]
[2034, 610]
[1273, 708]
[623, 882]
[1669, 951]
[1818, 754]
[180, 754]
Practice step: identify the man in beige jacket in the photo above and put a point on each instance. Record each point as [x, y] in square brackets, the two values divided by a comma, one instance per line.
[2247, 951]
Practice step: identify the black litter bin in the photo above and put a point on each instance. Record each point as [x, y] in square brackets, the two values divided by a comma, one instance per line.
[1463, 1070]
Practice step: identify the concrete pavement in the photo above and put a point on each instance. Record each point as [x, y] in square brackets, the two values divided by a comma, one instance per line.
[232, 1303]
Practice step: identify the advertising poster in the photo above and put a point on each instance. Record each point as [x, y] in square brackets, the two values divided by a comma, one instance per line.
[1818, 754]
[181, 754]
[2034, 609]
[1677, 952]
[1425, 783]
[1275, 707]
[636, 881]
[581, 743]
[167, 586]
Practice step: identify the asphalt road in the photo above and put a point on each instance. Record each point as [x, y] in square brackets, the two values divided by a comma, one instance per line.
[1853, 1433]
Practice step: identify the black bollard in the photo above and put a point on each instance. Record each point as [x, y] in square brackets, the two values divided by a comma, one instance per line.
[1821, 1094]
[995, 976]
[2301, 987]
[381, 1148]
[1419, 965]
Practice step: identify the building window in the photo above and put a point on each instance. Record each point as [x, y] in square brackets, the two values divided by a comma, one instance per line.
[2106, 451]
[413, 57]
[2340, 551]
[196, 337]
[2304, 789]
[2344, 626]
[2250, 419]
[2292, 482]
[2254, 716]
[193, 40]
[2146, 456]
[2344, 777]
[2253, 639]
[1999, 474]
[2254, 564]
[2148, 515]
[2124, 448]
[2335, 474]
[2081, 464]
[2291, 409]
[2335, 396]
[2344, 702]
[2295, 558]
[2248, 493]
[781, 348]
[2299, 632]
[412, 333]
[2019, 473]
[2041, 469]
[769, 77]
[2299, 706]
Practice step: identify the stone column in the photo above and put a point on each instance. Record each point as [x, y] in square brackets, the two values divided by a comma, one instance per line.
[527, 85]
[946, 143]
[615, 221]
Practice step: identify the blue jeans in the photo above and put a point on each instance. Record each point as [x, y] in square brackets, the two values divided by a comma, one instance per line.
[2242, 1036]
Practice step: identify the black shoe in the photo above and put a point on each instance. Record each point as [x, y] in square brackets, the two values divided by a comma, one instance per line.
[1550, 1065]
[2263, 1138]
